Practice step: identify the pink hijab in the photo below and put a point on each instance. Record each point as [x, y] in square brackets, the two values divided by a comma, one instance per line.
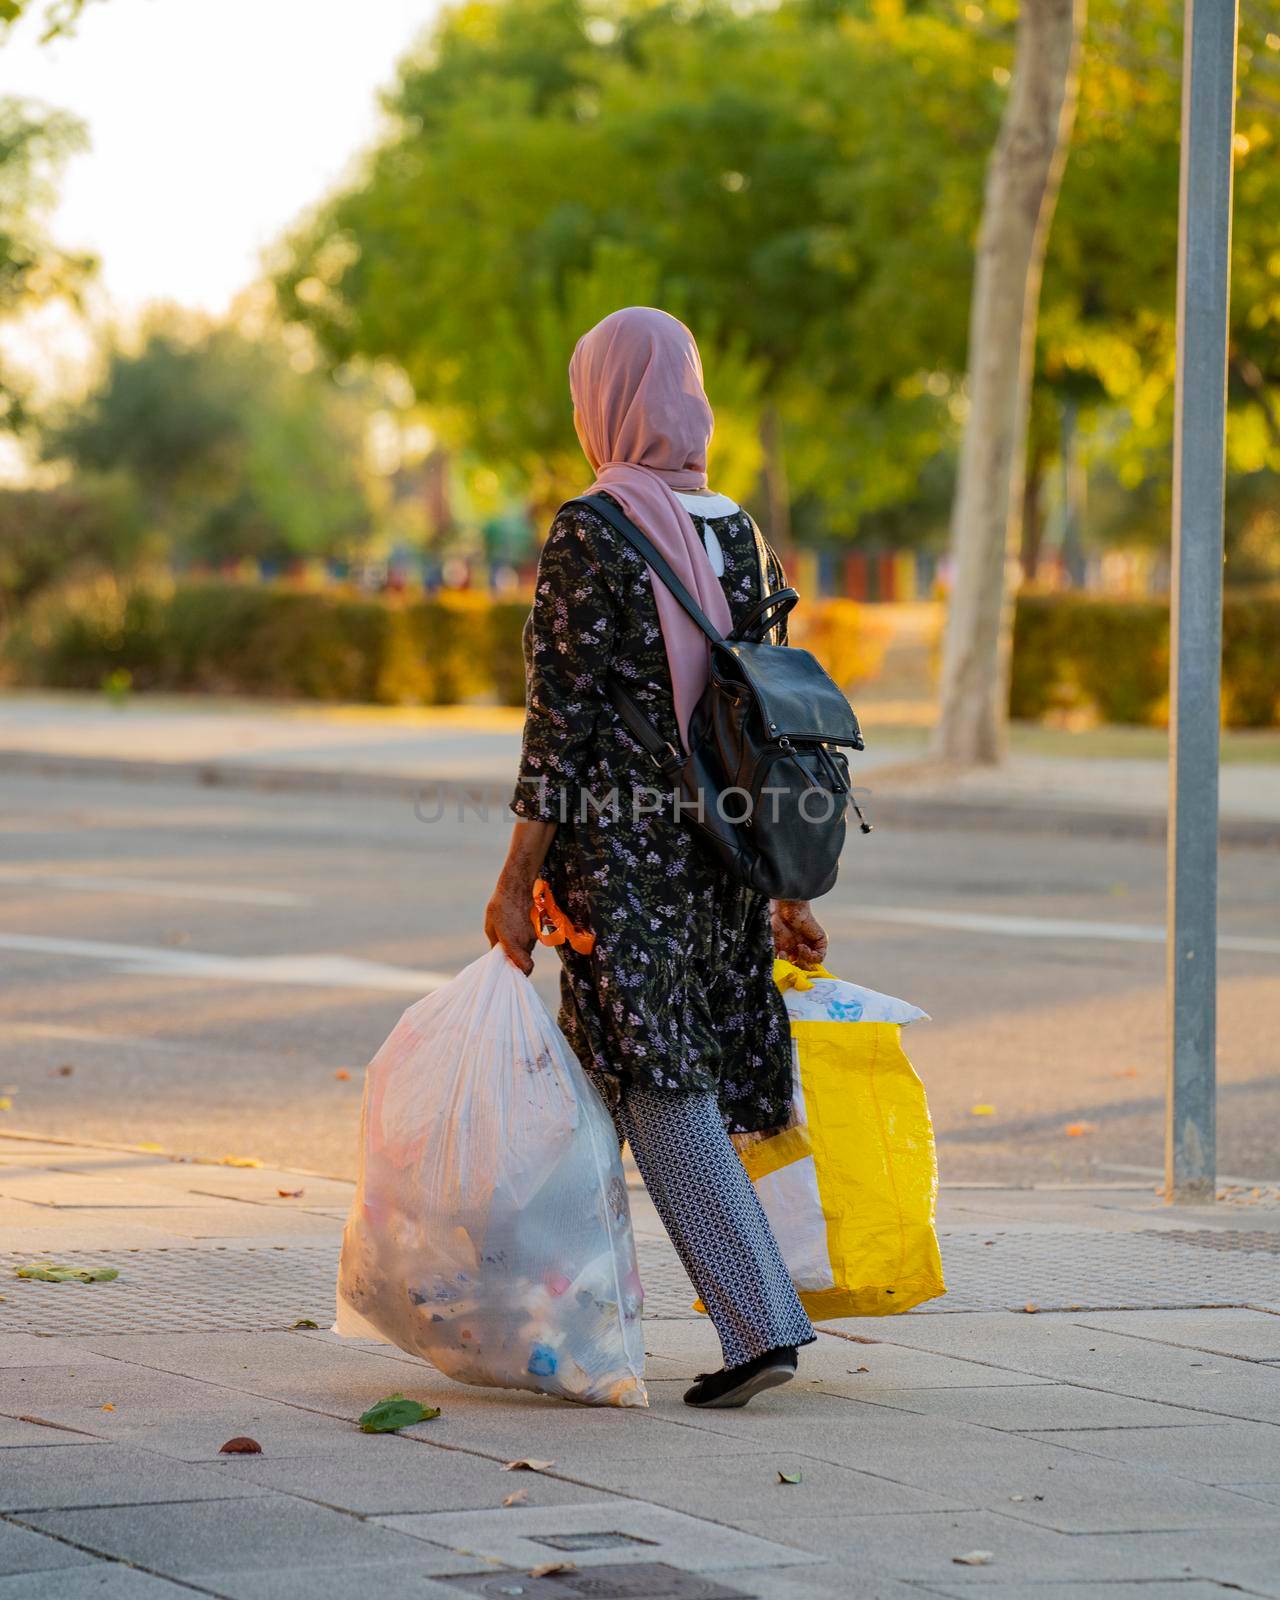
[644, 423]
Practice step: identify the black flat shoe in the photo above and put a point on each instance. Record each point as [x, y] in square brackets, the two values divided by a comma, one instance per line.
[734, 1386]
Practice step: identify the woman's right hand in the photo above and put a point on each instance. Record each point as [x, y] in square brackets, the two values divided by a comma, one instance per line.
[507, 921]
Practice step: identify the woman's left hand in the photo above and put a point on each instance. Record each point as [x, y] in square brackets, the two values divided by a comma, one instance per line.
[798, 936]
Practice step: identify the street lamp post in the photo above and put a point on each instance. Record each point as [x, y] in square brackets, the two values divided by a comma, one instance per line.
[1204, 265]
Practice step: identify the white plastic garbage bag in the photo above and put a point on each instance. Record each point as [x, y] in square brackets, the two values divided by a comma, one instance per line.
[491, 1232]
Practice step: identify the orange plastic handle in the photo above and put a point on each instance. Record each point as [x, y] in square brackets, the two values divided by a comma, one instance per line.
[551, 925]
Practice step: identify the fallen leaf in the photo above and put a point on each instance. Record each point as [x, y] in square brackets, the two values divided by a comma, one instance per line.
[306, 1322]
[107, 1407]
[5, 1103]
[65, 1070]
[1031, 1308]
[548, 1567]
[240, 1161]
[342, 1075]
[982, 1111]
[974, 1558]
[859, 1369]
[527, 1465]
[516, 1499]
[153, 1148]
[52, 1272]
[791, 1477]
[290, 1194]
[394, 1413]
[241, 1445]
[1077, 1130]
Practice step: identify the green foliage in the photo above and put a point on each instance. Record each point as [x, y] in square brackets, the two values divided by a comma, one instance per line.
[1109, 659]
[58, 16]
[55, 536]
[229, 638]
[802, 183]
[34, 142]
[544, 167]
[236, 446]
[394, 1413]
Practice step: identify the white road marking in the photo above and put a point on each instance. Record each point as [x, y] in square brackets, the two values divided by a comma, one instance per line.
[1042, 927]
[322, 971]
[161, 888]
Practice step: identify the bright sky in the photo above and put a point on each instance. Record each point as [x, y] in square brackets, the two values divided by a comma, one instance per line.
[213, 124]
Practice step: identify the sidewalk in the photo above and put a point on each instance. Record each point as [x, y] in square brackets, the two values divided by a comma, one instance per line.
[361, 749]
[1095, 1405]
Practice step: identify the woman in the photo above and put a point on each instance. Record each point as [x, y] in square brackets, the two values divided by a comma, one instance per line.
[674, 1012]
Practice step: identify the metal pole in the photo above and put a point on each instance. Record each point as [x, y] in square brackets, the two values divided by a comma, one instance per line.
[1204, 259]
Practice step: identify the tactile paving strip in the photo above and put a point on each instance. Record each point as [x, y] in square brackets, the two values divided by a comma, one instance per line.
[246, 1287]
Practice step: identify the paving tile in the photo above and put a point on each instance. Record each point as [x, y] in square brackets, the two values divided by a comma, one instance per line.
[22, 1551]
[920, 1549]
[102, 1580]
[1061, 1347]
[1250, 1334]
[16, 1433]
[739, 1488]
[1233, 1556]
[198, 1435]
[1211, 1453]
[280, 1365]
[901, 1366]
[399, 1580]
[384, 1476]
[173, 1416]
[44, 1477]
[1269, 1491]
[671, 1536]
[505, 1424]
[820, 1581]
[268, 1531]
[1139, 1589]
[1035, 1407]
[960, 1463]
[36, 1350]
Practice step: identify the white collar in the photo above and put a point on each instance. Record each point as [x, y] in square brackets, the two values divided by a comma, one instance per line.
[707, 505]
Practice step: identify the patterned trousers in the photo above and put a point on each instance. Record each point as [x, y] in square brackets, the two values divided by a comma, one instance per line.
[707, 1204]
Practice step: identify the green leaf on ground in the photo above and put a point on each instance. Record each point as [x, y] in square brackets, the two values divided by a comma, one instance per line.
[53, 1272]
[791, 1477]
[394, 1413]
[305, 1322]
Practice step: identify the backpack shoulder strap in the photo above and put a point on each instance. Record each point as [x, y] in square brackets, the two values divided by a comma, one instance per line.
[644, 546]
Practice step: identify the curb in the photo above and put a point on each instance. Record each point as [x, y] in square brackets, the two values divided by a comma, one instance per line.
[886, 809]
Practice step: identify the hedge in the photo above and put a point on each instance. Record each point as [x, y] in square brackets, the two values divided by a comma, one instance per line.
[1106, 659]
[229, 638]
[1110, 659]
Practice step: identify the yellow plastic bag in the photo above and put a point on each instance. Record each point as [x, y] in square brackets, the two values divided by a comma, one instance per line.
[850, 1189]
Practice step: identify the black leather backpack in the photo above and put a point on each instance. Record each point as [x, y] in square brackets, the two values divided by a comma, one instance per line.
[765, 785]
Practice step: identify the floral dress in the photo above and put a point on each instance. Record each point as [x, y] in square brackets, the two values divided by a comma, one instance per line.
[678, 992]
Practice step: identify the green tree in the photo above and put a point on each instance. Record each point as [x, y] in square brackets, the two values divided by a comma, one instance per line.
[58, 16]
[49, 537]
[34, 142]
[543, 167]
[235, 446]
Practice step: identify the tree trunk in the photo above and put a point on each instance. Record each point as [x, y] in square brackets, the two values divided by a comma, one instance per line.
[1032, 517]
[1021, 190]
[777, 490]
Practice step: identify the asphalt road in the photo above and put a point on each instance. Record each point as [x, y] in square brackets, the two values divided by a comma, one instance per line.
[208, 970]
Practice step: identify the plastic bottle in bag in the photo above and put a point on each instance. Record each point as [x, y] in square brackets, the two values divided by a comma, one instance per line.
[491, 1232]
